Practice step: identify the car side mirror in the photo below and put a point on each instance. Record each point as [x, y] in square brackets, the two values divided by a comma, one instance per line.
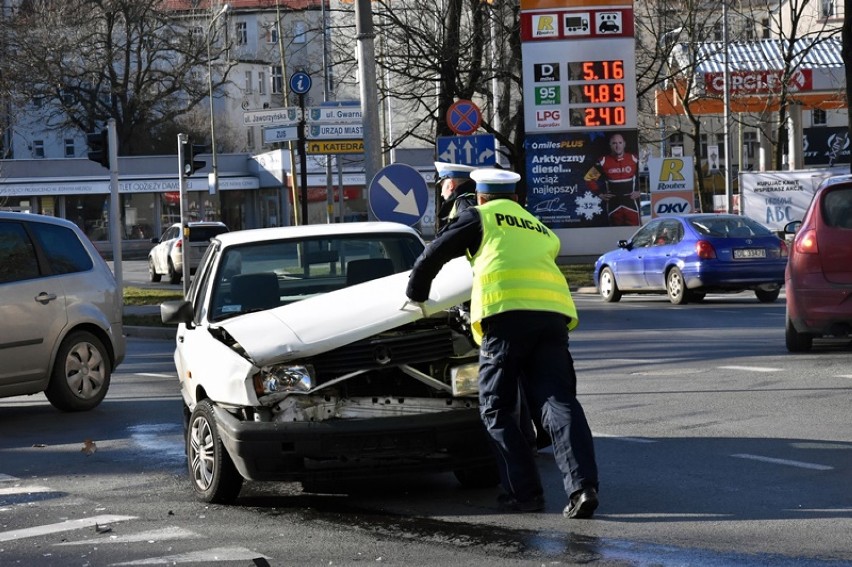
[792, 227]
[176, 311]
[624, 244]
[155, 241]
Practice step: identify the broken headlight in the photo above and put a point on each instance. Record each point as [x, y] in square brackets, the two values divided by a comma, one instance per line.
[281, 378]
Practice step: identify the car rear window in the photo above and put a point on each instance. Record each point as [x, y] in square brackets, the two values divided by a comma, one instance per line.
[205, 233]
[729, 226]
[837, 208]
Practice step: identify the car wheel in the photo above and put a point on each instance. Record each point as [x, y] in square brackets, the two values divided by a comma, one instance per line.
[81, 373]
[212, 473]
[767, 296]
[478, 477]
[796, 341]
[174, 276]
[676, 287]
[609, 289]
[152, 271]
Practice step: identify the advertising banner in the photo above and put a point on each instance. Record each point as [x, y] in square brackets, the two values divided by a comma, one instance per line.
[774, 198]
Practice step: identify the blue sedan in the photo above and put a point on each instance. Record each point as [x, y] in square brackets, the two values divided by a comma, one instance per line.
[687, 256]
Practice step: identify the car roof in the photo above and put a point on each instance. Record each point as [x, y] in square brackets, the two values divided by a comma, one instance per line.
[34, 217]
[312, 231]
[202, 223]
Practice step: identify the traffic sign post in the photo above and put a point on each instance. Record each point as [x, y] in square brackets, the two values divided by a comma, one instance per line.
[398, 193]
[475, 150]
[300, 83]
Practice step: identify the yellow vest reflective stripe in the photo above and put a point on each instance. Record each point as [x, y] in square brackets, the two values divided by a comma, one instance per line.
[514, 268]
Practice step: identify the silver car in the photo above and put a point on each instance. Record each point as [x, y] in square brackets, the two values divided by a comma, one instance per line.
[61, 307]
[166, 258]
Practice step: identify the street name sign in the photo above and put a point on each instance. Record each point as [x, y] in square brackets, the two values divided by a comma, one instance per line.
[280, 134]
[335, 146]
[274, 117]
[338, 114]
[335, 131]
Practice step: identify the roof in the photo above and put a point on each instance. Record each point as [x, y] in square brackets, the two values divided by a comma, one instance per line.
[763, 55]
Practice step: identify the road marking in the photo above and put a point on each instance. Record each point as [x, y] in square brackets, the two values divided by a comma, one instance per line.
[66, 526]
[799, 464]
[6, 491]
[620, 438]
[7, 478]
[152, 536]
[839, 376]
[153, 374]
[203, 557]
[751, 368]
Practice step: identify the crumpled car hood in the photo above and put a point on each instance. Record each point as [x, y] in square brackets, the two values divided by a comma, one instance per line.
[322, 323]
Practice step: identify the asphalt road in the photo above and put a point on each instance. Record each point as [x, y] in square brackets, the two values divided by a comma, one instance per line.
[715, 446]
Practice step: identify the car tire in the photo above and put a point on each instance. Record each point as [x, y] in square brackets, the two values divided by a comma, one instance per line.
[153, 276]
[676, 287]
[212, 473]
[608, 286]
[174, 276]
[767, 296]
[485, 476]
[81, 373]
[796, 341]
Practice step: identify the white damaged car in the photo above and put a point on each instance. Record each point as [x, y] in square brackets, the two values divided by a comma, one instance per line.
[300, 359]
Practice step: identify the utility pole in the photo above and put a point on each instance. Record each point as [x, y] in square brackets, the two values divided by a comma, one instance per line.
[114, 204]
[369, 93]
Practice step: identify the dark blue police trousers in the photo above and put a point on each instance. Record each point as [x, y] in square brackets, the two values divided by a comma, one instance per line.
[528, 350]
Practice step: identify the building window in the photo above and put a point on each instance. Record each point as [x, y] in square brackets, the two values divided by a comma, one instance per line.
[261, 83]
[248, 82]
[819, 117]
[38, 148]
[277, 79]
[250, 138]
[750, 144]
[766, 28]
[241, 31]
[69, 147]
[827, 8]
[272, 34]
[300, 30]
[718, 32]
[750, 32]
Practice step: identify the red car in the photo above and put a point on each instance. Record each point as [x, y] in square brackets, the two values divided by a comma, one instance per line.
[819, 270]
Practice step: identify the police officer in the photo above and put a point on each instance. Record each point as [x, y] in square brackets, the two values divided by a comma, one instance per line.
[521, 311]
[456, 191]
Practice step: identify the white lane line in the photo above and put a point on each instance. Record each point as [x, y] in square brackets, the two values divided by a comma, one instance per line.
[65, 526]
[789, 463]
[202, 557]
[153, 374]
[7, 478]
[839, 376]
[6, 491]
[152, 536]
[621, 438]
[751, 368]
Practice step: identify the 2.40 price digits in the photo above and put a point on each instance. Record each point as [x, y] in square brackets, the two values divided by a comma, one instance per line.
[603, 93]
[605, 116]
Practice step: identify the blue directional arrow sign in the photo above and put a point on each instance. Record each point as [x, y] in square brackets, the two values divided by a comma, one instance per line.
[398, 193]
[475, 150]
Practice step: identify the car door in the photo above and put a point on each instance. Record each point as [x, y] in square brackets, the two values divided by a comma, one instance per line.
[35, 304]
[630, 268]
[668, 234]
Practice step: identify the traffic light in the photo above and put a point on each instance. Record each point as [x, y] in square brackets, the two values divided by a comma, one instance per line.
[190, 164]
[99, 147]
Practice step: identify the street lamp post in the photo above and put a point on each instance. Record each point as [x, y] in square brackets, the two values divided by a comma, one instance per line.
[214, 175]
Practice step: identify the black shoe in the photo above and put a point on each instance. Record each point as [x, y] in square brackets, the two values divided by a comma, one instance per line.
[583, 504]
[508, 503]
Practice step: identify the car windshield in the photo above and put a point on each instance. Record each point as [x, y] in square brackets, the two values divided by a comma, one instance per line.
[728, 226]
[264, 275]
[205, 233]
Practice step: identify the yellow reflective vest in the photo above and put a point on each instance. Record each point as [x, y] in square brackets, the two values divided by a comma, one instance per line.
[514, 268]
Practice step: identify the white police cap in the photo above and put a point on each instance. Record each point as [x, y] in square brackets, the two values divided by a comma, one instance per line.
[492, 180]
[448, 170]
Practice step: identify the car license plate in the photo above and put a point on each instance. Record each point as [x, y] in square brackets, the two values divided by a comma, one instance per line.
[742, 253]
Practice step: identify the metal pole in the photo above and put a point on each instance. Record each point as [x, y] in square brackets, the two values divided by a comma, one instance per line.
[369, 93]
[285, 87]
[183, 139]
[114, 205]
[729, 194]
[213, 182]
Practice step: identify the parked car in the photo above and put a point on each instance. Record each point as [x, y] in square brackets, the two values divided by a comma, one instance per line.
[301, 359]
[688, 256]
[63, 311]
[166, 258]
[819, 271]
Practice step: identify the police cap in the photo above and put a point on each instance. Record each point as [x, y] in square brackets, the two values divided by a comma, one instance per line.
[495, 181]
[448, 170]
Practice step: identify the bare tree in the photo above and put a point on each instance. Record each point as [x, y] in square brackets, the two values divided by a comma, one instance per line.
[86, 61]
